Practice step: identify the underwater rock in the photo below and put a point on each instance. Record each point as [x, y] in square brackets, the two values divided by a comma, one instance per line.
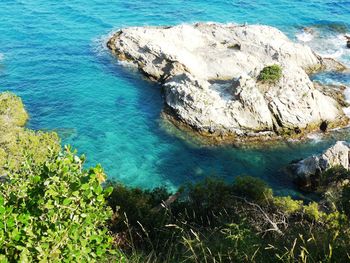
[210, 74]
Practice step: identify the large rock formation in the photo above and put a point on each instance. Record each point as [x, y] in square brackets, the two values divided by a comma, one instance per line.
[307, 171]
[210, 77]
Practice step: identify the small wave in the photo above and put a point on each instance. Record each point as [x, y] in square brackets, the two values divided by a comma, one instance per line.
[1, 56]
[315, 137]
[333, 47]
[332, 54]
[304, 37]
[99, 44]
[128, 64]
[328, 44]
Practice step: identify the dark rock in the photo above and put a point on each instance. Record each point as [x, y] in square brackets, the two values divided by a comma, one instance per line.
[297, 130]
[347, 41]
[324, 126]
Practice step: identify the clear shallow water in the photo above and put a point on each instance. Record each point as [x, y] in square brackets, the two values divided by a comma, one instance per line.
[52, 55]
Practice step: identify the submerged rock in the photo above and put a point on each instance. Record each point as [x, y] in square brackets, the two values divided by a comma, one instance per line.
[210, 77]
[308, 170]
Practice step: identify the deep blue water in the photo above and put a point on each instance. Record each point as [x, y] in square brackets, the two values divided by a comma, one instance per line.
[53, 56]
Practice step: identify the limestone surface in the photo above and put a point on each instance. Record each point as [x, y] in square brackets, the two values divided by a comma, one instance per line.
[210, 74]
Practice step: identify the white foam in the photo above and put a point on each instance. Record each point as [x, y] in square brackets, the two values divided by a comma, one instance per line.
[326, 44]
[99, 44]
[128, 64]
[304, 37]
[1, 56]
[315, 137]
[333, 47]
[332, 54]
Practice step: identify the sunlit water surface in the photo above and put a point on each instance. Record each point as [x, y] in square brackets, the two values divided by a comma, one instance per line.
[52, 55]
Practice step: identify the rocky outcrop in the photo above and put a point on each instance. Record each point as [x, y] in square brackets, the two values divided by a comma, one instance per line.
[210, 77]
[347, 41]
[307, 171]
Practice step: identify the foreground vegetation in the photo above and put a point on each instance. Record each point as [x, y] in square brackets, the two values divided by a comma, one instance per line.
[17, 142]
[54, 210]
[240, 222]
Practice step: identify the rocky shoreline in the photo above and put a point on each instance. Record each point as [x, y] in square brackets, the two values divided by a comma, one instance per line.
[308, 172]
[210, 75]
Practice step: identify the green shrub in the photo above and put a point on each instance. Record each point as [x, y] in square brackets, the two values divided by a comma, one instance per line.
[134, 205]
[23, 143]
[343, 203]
[333, 175]
[252, 188]
[287, 204]
[270, 74]
[17, 142]
[54, 212]
[12, 112]
[211, 194]
[312, 211]
[214, 221]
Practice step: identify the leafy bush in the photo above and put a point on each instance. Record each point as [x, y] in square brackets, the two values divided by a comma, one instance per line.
[287, 204]
[252, 188]
[17, 142]
[214, 221]
[133, 206]
[54, 212]
[212, 194]
[12, 112]
[333, 175]
[343, 203]
[270, 74]
[312, 211]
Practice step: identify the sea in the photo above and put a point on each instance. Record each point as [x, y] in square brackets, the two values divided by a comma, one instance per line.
[53, 54]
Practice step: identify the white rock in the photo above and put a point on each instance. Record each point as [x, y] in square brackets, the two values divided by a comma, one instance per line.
[210, 72]
[313, 166]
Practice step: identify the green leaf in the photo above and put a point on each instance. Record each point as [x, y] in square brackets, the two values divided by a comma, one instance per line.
[67, 201]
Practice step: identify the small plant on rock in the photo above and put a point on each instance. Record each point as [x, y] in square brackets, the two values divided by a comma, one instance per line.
[270, 74]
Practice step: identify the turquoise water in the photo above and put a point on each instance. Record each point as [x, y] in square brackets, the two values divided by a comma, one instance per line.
[53, 56]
